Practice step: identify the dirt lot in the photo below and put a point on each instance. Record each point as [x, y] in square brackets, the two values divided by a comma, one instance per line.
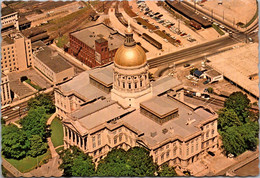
[233, 10]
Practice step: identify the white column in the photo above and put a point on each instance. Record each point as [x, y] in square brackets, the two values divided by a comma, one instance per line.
[80, 141]
[83, 139]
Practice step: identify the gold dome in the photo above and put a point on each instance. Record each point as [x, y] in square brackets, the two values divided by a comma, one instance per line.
[130, 56]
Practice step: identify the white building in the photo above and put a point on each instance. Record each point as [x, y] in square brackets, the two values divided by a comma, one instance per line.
[116, 106]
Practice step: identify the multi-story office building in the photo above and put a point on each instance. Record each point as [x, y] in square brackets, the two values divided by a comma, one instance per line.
[9, 18]
[16, 52]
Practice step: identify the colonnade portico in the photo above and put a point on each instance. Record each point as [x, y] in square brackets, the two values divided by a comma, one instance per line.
[72, 138]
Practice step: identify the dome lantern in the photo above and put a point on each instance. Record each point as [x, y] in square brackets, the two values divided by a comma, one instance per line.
[130, 54]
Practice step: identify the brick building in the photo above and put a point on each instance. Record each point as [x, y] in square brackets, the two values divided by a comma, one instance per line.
[95, 45]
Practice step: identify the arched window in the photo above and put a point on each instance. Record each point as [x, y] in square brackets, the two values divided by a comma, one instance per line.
[123, 84]
[129, 85]
[141, 83]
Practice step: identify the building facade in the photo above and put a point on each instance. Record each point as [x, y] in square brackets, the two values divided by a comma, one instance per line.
[51, 64]
[95, 45]
[5, 90]
[16, 53]
[9, 18]
[135, 112]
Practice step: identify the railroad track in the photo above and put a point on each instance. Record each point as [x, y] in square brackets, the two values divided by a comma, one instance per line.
[211, 100]
[192, 52]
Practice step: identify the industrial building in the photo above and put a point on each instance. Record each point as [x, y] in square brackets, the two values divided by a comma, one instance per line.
[95, 45]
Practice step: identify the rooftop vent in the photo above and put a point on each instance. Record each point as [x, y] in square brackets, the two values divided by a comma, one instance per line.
[153, 134]
[90, 35]
[164, 131]
[190, 121]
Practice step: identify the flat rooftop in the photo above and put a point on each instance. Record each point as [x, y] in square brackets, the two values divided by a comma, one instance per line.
[103, 74]
[99, 110]
[90, 34]
[160, 105]
[80, 85]
[212, 73]
[238, 65]
[52, 59]
[7, 41]
[155, 133]
[163, 84]
[6, 11]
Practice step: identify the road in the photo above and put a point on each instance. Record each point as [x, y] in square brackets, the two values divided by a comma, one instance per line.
[192, 52]
[17, 111]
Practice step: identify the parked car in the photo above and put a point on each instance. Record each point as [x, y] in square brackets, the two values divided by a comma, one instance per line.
[205, 82]
[186, 65]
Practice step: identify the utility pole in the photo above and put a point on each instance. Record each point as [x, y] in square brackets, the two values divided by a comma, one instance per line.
[179, 25]
[212, 14]
[195, 6]
[246, 32]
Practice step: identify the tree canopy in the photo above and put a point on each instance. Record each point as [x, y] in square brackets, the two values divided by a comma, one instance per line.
[134, 162]
[239, 102]
[166, 171]
[42, 100]
[76, 163]
[35, 122]
[227, 118]
[38, 147]
[14, 143]
[237, 125]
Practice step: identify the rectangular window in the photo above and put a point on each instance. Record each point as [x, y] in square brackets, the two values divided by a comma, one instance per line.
[167, 154]
[187, 153]
[94, 141]
[99, 139]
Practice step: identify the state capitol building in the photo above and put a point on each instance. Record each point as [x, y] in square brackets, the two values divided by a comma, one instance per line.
[117, 106]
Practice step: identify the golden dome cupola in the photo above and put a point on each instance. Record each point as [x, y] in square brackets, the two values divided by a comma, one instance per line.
[130, 54]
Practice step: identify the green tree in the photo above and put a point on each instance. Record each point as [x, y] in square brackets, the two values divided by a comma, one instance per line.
[210, 90]
[232, 140]
[38, 147]
[114, 164]
[249, 132]
[135, 162]
[35, 123]
[239, 103]
[83, 167]
[227, 118]
[15, 144]
[42, 100]
[141, 161]
[166, 171]
[76, 163]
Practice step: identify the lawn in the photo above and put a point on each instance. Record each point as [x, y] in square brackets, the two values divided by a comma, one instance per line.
[29, 163]
[218, 29]
[56, 132]
[61, 41]
[33, 85]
